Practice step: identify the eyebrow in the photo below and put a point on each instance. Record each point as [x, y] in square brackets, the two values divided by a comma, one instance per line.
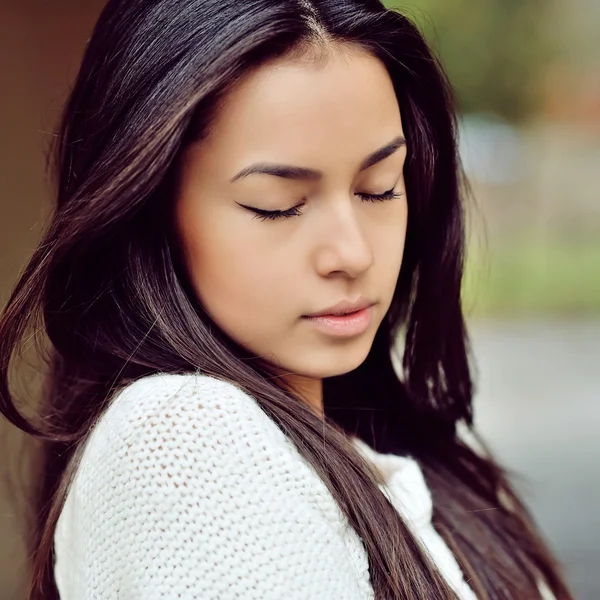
[293, 172]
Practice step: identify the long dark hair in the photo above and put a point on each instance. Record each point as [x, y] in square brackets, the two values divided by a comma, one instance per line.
[107, 291]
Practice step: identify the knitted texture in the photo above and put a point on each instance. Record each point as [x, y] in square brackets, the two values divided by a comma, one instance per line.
[187, 490]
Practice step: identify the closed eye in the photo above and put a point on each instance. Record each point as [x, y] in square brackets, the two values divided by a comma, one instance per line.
[265, 215]
[389, 195]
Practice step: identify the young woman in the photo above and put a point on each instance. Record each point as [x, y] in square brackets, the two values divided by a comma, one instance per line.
[233, 178]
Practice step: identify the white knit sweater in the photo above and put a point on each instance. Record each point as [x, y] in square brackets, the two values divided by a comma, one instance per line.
[187, 490]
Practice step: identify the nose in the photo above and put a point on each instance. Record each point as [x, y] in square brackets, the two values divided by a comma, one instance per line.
[344, 248]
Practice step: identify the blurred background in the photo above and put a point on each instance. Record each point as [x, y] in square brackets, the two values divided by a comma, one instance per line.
[527, 80]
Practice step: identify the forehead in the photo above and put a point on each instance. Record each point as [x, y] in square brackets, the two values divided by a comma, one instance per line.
[346, 98]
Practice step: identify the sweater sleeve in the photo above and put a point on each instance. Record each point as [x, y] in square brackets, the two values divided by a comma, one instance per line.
[186, 490]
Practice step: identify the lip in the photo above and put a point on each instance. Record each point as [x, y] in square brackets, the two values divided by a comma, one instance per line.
[347, 325]
[343, 308]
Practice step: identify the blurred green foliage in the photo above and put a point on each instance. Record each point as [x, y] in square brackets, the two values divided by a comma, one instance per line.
[527, 276]
[498, 55]
[494, 51]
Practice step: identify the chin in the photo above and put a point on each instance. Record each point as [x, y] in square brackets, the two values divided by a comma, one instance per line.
[339, 362]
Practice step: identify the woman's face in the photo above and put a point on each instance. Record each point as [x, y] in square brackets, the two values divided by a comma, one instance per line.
[257, 278]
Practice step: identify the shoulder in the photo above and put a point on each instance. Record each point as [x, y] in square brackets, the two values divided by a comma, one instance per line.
[158, 411]
[166, 437]
[177, 397]
[185, 479]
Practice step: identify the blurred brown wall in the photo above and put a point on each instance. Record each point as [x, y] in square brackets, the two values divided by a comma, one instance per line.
[41, 43]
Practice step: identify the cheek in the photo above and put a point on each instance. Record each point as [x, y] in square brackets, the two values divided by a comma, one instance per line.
[240, 281]
[390, 240]
[391, 235]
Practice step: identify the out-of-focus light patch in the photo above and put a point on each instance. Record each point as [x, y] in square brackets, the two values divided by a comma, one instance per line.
[491, 150]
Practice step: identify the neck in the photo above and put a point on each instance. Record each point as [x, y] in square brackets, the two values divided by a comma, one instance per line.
[309, 389]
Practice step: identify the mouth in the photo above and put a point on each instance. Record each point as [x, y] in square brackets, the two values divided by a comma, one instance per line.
[343, 308]
[347, 324]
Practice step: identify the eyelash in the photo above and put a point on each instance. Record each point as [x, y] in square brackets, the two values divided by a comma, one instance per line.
[265, 215]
